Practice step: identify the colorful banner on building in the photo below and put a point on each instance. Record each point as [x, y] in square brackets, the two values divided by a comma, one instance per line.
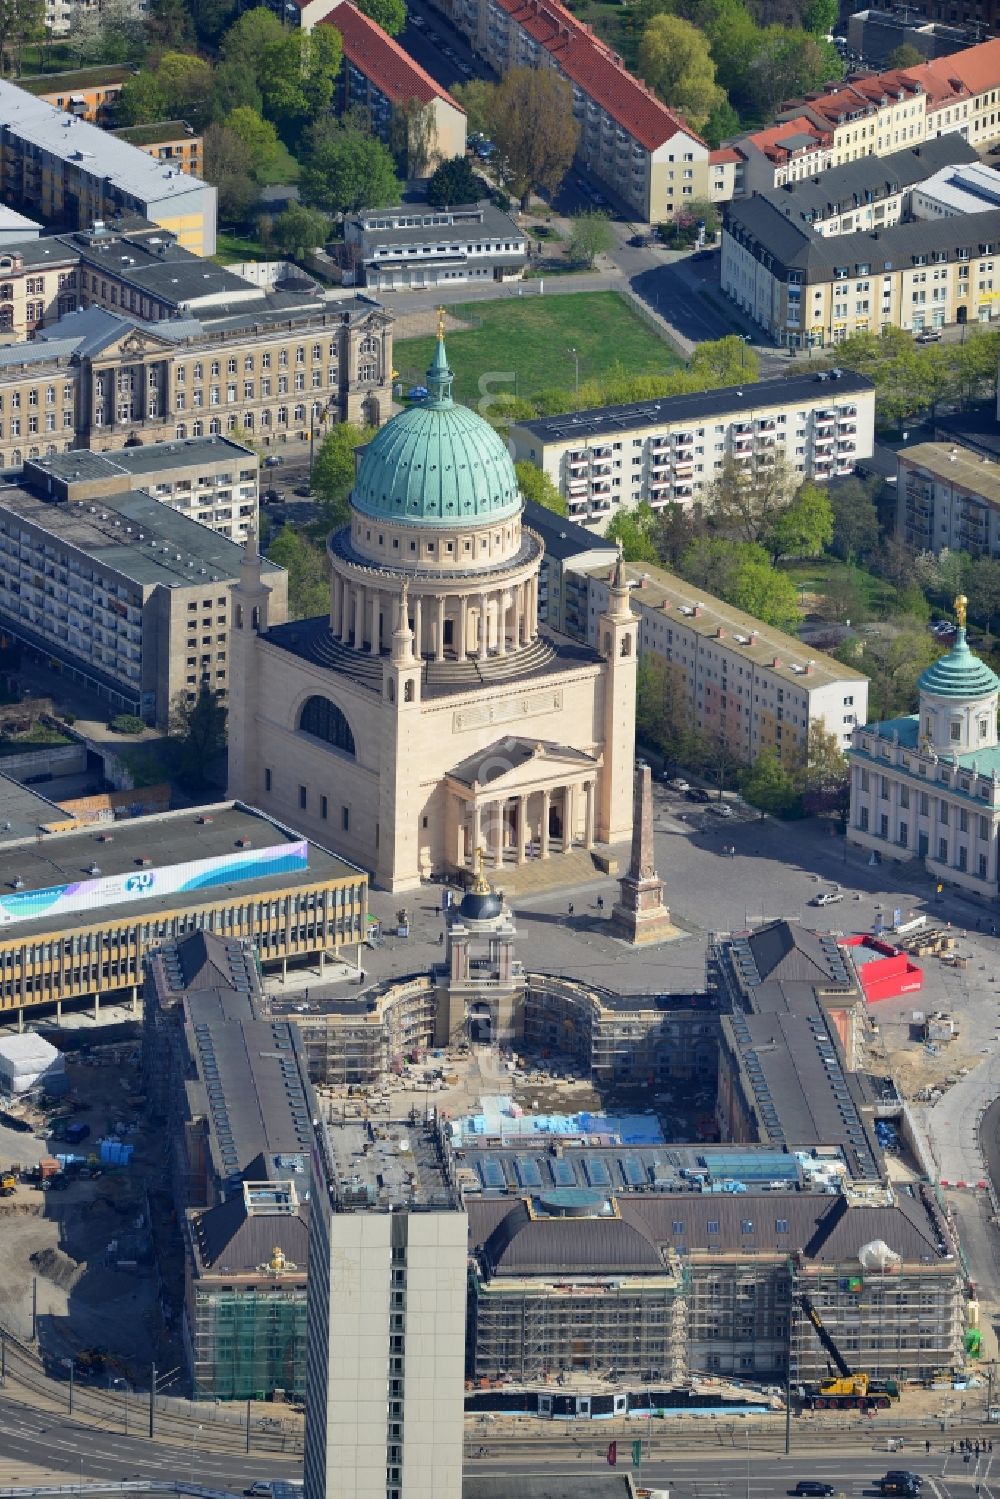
[146, 884]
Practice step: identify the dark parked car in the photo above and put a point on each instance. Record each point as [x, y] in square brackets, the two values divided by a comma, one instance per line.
[812, 1486]
[303, 491]
[696, 794]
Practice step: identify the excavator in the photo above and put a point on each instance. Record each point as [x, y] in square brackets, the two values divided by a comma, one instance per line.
[851, 1390]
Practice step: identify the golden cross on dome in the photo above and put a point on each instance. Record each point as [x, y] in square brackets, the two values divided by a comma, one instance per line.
[961, 605]
[440, 312]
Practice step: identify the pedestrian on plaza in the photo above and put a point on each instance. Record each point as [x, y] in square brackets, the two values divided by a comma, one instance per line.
[571, 908]
[440, 939]
[600, 902]
[437, 910]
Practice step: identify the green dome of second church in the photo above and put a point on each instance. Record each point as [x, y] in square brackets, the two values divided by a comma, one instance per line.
[437, 464]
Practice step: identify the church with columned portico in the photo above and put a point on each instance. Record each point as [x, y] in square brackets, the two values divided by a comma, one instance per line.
[427, 716]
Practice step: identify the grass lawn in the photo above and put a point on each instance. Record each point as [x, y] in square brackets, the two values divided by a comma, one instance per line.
[283, 170]
[532, 336]
[231, 248]
[812, 575]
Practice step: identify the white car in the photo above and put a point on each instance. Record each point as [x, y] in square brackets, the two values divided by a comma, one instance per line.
[827, 898]
[722, 809]
[679, 784]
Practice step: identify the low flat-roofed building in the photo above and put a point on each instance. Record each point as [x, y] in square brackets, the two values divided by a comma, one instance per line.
[82, 909]
[71, 172]
[749, 682]
[172, 141]
[381, 78]
[212, 480]
[948, 496]
[89, 93]
[666, 451]
[969, 188]
[418, 246]
[24, 811]
[130, 595]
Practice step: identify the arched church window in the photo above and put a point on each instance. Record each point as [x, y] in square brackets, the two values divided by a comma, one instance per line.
[324, 720]
[626, 645]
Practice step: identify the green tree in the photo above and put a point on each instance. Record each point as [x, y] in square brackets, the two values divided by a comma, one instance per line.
[983, 585]
[632, 530]
[892, 658]
[260, 138]
[725, 361]
[675, 60]
[187, 85]
[906, 55]
[712, 562]
[722, 123]
[236, 87]
[767, 784]
[412, 137]
[745, 498]
[334, 469]
[305, 563]
[297, 230]
[477, 99]
[251, 40]
[300, 77]
[677, 527]
[534, 130]
[345, 169]
[788, 64]
[855, 521]
[844, 598]
[804, 528]
[820, 16]
[825, 777]
[735, 40]
[389, 14]
[21, 21]
[453, 182]
[170, 25]
[229, 167]
[198, 729]
[759, 589]
[590, 236]
[536, 485]
[142, 100]
[662, 706]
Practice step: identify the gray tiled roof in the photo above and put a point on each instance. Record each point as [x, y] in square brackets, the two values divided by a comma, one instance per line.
[232, 1240]
[850, 186]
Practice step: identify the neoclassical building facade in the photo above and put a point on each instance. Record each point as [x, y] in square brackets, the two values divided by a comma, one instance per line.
[427, 716]
[927, 786]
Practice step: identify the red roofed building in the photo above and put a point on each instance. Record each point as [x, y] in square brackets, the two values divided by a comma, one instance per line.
[787, 152]
[381, 78]
[646, 154]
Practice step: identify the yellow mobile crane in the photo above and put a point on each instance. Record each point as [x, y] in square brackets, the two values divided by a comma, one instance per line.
[851, 1390]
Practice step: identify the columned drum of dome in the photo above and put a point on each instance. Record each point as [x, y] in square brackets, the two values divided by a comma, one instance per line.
[471, 729]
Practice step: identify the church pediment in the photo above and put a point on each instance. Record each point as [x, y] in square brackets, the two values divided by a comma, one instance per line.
[513, 763]
[132, 346]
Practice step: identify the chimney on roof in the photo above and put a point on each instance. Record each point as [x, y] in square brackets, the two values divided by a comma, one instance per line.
[720, 633]
[776, 662]
[696, 611]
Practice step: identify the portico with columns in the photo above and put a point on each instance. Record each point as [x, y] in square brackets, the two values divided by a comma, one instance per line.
[427, 715]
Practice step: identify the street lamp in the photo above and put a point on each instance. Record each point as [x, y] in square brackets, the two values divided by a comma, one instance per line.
[68, 1363]
[744, 340]
[124, 1384]
[576, 362]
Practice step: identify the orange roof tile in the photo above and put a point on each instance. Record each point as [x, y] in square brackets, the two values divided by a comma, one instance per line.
[382, 60]
[974, 70]
[723, 155]
[593, 67]
[772, 141]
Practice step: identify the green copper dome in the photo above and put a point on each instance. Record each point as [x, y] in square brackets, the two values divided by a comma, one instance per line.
[959, 674]
[437, 464]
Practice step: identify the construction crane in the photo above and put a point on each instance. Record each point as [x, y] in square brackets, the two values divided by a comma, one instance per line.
[851, 1390]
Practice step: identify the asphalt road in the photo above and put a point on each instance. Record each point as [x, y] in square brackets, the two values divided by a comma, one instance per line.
[47, 1440]
[853, 1472]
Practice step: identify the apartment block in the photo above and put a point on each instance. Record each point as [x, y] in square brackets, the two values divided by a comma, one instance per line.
[274, 365]
[381, 78]
[754, 686]
[415, 246]
[666, 452]
[948, 496]
[877, 191]
[646, 156]
[386, 1314]
[212, 480]
[807, 290]
[570, 548]
[128, 594]
[788, 152]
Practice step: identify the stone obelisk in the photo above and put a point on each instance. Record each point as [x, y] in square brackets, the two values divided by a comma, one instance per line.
[639, 914]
